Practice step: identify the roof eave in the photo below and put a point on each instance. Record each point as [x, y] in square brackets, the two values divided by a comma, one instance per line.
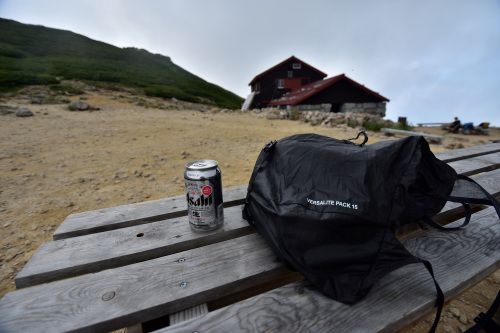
[385, 99]
[282, 63]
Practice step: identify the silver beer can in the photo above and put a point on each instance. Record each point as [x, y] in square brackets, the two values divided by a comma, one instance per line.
[204, 195]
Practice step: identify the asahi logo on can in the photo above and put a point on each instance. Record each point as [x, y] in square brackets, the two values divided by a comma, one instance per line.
[204, 195]
[206, 190]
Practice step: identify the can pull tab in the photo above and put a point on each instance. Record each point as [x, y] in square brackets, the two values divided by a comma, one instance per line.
[270, 145]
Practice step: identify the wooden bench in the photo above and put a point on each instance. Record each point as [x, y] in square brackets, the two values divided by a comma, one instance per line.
[429, 137]
[140, 263]
[432, 124]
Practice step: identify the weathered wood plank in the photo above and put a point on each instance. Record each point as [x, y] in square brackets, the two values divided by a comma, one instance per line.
[459, 259]
[461, 154]
[140, 213]
[477, 164]
[431, 124]
[124, 296]
[135, 214]
[91, 253]
[429, 137]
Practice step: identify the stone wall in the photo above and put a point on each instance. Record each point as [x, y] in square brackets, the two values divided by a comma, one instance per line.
[328, 119]
[369, 108]
[319, 107]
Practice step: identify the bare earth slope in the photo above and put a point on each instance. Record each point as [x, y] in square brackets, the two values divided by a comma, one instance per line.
[60, 162]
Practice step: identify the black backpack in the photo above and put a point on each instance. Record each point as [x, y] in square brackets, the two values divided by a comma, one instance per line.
[328, 207]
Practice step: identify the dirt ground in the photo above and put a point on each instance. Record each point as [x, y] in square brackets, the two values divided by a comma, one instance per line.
[134, 149]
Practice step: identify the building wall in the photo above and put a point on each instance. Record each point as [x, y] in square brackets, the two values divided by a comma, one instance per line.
[343, 97]
[268, 86]
[340, 93]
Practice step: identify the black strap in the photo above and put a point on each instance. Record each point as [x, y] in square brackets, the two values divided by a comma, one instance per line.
[465, 201]
[485, 321]
[429, 221]
[490, 201]
[439, 299]
[435, 225]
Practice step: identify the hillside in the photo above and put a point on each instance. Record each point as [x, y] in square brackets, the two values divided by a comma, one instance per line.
[31, 54]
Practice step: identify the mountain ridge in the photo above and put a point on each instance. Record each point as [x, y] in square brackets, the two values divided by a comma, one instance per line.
[34, 54]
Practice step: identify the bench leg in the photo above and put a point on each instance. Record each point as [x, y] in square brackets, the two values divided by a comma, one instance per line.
[186, 314]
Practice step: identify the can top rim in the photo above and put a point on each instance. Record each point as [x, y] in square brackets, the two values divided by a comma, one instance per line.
[201, 164]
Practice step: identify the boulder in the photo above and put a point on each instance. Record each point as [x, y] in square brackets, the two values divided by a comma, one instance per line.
[4, 109]
[271, 116]
[80, 105]
[24, 113]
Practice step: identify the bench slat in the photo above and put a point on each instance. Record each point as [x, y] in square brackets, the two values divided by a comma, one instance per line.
[461, 154]
[141, 213]
[459, 259]
[71, 257]
[124, 296]
[135, 214]
[91, 253]
[477, 164]
[429, 137]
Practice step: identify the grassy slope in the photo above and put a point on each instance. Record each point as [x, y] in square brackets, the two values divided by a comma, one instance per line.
[32, 54]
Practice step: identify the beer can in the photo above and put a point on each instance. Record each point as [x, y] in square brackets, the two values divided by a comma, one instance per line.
[204, 195]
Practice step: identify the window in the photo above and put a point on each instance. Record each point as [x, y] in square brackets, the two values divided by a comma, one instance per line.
[290, 73]
[297, 66]
[280, 83]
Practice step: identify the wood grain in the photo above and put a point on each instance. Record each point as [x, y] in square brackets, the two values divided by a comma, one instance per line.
[146, 275]
[145, 212]
[135, 214]
[92, 253]
[477, 165]
[460, 259]
[461, 154]
[124, 296]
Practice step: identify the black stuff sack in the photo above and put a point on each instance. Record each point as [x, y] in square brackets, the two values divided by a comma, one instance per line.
[327, 207]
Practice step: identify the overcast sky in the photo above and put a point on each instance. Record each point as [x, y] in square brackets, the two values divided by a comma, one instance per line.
[433, 59]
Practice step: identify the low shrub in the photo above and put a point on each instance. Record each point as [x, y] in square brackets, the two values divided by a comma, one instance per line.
[373, 126]
[68, 89]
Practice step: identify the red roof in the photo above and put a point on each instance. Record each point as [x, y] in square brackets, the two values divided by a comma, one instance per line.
[292, 58]
[297, 96]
